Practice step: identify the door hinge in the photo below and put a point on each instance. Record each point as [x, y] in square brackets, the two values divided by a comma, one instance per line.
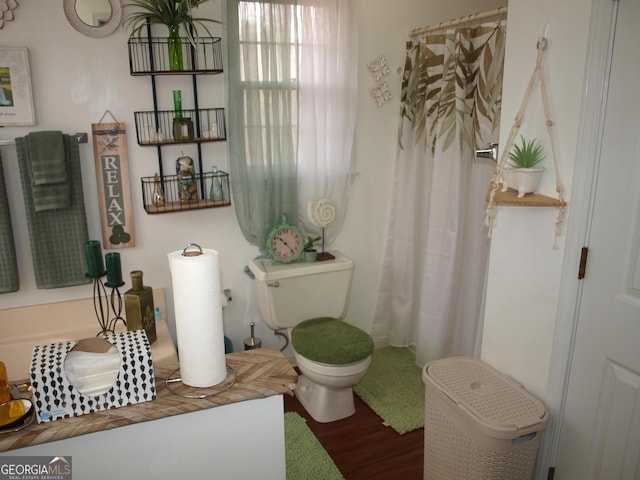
[583, 262]
[551, 473]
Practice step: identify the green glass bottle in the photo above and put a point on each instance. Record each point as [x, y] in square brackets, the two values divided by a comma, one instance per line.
[216, 193]
[182, 126]
[139, 308]
[174, 46]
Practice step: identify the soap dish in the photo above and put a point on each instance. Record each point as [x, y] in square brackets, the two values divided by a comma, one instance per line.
[21, 422]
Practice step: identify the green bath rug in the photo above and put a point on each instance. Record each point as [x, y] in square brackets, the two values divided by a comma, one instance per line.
[393, 388]
[305, 455]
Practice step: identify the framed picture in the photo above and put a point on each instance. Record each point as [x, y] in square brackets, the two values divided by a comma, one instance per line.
[16, 100]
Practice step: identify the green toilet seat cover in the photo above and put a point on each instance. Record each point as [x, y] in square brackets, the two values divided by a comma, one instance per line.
[331, 341]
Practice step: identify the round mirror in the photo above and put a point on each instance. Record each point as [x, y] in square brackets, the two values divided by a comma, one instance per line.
[94, 18]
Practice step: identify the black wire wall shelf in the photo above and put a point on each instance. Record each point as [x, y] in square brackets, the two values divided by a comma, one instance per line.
[174, 194]
[162, 128]
[150, 56]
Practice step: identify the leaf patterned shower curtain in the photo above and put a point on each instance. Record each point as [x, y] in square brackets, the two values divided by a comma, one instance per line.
[433, 275]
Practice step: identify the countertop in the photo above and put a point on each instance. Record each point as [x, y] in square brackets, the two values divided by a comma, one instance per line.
[260, 373]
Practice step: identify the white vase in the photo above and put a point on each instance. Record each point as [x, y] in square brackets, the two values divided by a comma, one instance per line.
[522, 180]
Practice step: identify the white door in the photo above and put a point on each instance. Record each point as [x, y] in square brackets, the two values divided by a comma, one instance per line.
[600, 435]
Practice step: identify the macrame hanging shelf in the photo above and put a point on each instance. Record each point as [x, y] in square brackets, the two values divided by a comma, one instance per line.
[495, 195]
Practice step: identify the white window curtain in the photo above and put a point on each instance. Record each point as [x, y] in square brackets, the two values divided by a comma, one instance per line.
[291, 112]
[434, 269]
[328, 95]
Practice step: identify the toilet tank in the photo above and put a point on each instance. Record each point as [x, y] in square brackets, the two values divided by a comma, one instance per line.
[291, 293]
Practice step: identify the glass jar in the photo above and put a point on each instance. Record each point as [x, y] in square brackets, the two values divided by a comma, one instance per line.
[5, 395]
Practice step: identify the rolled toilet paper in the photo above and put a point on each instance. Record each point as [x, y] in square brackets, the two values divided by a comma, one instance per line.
[198, 317]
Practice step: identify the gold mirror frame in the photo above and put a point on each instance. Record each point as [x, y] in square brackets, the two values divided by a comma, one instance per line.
[103, 30]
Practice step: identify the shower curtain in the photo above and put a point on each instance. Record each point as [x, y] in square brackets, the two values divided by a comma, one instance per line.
[433, 275]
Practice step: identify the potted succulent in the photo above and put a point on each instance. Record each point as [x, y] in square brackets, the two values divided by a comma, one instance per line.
[523, 171]
[310, 252]
[172, 13]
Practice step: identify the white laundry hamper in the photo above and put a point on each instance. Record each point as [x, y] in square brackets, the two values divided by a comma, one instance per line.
[479, 423]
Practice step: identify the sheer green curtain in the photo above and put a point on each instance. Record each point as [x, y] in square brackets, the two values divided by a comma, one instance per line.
[292, 109]
[262, 75]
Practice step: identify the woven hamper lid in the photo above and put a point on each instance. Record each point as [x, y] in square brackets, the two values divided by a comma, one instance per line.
[496, 404]
[331, 341]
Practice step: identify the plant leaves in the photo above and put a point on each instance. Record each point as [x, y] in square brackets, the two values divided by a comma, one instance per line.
[451, 81]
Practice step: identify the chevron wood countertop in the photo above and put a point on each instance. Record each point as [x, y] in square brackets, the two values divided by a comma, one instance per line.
[253, 374]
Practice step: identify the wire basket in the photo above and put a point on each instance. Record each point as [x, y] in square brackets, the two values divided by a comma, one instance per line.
[149, 56]
[162, 127]
[173, 194]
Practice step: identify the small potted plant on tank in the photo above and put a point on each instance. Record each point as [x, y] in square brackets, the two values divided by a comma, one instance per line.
[310, 252]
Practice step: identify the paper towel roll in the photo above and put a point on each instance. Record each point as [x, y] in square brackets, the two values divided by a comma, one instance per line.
[198, 316]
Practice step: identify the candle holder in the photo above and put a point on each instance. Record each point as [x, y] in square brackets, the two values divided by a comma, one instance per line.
[115, 299]
[103, 304]
[100, 303]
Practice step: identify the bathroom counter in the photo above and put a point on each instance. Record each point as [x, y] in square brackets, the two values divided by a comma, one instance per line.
[22, 328]
[261, 373]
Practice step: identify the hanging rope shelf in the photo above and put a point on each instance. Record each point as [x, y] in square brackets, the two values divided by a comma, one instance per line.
[497, 197]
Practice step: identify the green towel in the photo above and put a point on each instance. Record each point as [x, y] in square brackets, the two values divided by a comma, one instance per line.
[47, 162]
[9, 281]
[47, 157]
[56, 236]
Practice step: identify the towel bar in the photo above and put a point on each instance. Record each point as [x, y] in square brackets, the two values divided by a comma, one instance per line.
[82, 138]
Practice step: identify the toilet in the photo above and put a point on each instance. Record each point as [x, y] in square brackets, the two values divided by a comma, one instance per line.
[309, 301]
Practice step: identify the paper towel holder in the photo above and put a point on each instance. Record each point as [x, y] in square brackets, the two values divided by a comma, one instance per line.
[226, 384]
[192, 254]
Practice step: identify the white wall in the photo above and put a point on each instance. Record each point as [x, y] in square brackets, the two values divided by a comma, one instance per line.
[524, 271]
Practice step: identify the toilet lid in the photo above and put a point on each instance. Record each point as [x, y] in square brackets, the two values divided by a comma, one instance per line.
[331, 341]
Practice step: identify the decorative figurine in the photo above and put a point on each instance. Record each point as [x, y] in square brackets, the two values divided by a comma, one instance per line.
[186, 172]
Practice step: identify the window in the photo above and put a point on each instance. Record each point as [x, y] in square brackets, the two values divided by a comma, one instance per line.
[268, 39]
[292, 76]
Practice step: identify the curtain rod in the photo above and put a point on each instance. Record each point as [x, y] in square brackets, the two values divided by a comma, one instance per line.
[452, 23]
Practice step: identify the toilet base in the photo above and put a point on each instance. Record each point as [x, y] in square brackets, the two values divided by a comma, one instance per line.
[322, 403]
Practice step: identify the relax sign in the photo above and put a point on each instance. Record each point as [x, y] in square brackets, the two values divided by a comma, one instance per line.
[112, 185]
[112, 175]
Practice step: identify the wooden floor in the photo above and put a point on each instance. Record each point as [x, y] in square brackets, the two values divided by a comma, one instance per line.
[363, 448]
